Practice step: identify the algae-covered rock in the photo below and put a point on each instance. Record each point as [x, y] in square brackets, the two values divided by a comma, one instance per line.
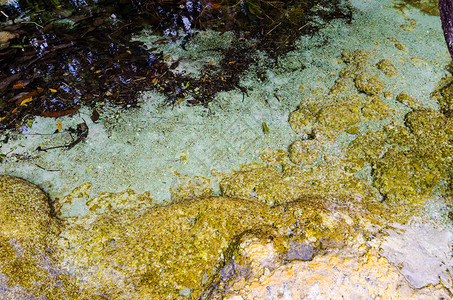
[387, 67]
[304, 152]
[376, 109]
[26, 213]
[28, 230]
[159, 251]
[408, 101]
[180, 249]
[336, 118]
[365, 148]
[368, 84]
[302, 120]
[446, 99]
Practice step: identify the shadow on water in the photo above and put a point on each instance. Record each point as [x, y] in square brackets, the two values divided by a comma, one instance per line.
[56, 57]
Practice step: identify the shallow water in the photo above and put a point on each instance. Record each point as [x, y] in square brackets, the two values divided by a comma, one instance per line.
[162, 149]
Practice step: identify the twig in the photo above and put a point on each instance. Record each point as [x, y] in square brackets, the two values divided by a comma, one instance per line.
[50, 170]
[274, 28]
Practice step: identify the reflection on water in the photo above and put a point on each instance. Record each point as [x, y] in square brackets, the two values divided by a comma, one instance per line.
[58, 56]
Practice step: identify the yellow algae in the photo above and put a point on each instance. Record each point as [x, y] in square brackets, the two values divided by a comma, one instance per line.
[191, 187]
[410, 25]
[427, 6]
[418, 157]
[304, 152]
[355, 56]
[446, 98]
[29, 229]
[376, 109]
[341, 85]
[353, 130]
[115, 201]
[398, 45]
[368, 83]
[302, 120]
[408, 101]
[26, 213]
[365, 148]
[329, 117]
[428, 127]
[387, 67]
[336, 118]
[398, 177]
[273, 184]
[164, 250]
[356, 61]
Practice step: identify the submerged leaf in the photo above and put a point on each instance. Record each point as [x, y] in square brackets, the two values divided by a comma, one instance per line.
[26, 100]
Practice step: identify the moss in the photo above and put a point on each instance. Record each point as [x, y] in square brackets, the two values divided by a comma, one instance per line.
[190, 188]
[418, 156]
[355, 56]
[341, 85]
[403, 178]
[326, 118]
[274, 184]
[398, 45]
[26, 213]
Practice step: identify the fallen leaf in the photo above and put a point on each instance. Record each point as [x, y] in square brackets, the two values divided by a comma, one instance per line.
[56, 114]
[59, 126]
[94, 116]
[18, 85]
[26, 100]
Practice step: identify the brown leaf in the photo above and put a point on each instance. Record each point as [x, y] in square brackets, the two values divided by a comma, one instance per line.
[56, 114]
[94, 116]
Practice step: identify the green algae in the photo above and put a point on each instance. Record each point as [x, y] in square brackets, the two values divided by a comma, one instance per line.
[408, 161]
